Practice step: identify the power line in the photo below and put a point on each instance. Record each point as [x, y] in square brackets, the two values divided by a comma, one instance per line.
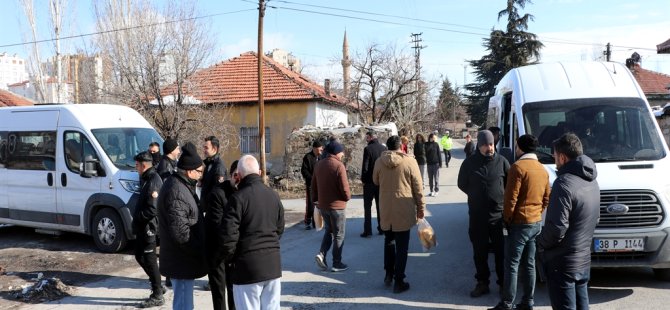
[124, 29]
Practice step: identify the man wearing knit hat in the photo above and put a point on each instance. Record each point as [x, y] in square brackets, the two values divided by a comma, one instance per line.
[182, 229]
[526, 197]
[307, 169]
[168, 164]
[330, 188]
[482, 177]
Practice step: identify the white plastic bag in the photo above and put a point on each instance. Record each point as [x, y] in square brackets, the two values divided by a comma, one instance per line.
[318, 219]
[426, 234]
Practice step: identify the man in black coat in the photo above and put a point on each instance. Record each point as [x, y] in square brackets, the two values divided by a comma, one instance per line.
[182, 228]
[371, 152]
[564, 245]
[482, 177]
[219, 271]
[251, 229]
[308, 162]
[168, 163]
[145, 227]
[215, 169]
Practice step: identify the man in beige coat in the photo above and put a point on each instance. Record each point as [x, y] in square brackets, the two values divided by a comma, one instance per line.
[401, 204]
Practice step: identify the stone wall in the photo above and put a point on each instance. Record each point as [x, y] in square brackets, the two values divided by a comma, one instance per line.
[300, 142]
[664, 123]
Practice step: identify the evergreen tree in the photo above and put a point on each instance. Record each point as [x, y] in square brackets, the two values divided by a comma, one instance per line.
[508, 49]
[447, 101]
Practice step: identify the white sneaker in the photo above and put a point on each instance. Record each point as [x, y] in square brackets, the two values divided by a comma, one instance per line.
[435, 194]
[321, 261]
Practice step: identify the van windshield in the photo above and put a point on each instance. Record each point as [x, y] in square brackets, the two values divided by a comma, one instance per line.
[122, 144]
[611, 129]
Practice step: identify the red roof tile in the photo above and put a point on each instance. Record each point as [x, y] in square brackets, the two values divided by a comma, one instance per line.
[236, 81]
[663, 48]
[8, 99]
[651, 82]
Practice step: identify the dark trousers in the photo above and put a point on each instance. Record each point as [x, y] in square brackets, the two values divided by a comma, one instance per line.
[370, 191]
[481, 233]
[447, 157]
[334, 228]
[145, 255]
[395, 253]
[309, 206]
[568, 290]
[220, 286]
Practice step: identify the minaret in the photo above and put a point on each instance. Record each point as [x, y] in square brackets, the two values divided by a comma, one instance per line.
[346, 63]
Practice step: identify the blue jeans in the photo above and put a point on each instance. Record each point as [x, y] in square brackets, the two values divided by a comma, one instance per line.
[568, 290]
[183, 294]
[333, 226]
[520, 262]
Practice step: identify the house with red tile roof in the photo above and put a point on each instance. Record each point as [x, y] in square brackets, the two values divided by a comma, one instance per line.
[9, 99]
[291, 101]
[656, 86]
[663, 48]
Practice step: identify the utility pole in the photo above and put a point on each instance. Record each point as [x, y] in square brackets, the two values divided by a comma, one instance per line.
[608, 51]
[261, 104]
[55, 11]
[416, 39]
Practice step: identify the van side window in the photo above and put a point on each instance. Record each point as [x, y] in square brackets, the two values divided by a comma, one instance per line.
[3, 148]
[29, 150]
[76, 149]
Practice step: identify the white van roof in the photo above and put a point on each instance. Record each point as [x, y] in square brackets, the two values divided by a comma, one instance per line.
[88, 116]
[569, 80]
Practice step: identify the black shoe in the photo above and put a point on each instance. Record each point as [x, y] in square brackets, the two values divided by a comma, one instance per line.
[502, 306]
[400, 287]
[480, 289]
[339, 267]
[388, 279]
[523, 307]
[366, 235]
[152, 302]
[168, 282]
[308, 227]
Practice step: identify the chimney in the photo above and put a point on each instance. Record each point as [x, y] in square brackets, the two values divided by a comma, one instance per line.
[326, 86]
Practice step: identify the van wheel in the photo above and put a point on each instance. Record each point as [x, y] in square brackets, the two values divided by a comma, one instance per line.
[108, 232]
[662, 274]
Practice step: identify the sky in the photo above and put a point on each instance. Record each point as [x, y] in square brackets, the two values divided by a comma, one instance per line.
[452, 31]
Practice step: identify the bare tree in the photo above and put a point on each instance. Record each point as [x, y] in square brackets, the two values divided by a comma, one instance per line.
[153, 54]
[383, 86]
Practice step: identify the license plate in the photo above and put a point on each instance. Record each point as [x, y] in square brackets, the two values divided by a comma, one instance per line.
[618, 245]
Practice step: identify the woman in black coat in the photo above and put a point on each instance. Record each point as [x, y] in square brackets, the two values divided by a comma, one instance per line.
[420, 154]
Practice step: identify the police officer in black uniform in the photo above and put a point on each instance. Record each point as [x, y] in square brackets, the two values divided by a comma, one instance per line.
[145, 226]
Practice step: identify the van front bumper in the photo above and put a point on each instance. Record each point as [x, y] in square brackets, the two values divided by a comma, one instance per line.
[655, 254]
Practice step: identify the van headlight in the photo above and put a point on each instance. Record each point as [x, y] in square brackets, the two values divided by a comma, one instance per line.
[130, 185]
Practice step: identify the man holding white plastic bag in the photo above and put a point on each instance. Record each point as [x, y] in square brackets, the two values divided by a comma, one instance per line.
[401, 204]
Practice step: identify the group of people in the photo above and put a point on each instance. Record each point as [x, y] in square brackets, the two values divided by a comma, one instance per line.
[505, 206]
[207, 223]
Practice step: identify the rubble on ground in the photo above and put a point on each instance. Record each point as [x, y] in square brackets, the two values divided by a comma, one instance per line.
[41, 290]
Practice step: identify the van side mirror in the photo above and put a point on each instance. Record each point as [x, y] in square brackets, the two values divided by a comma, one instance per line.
[91, 167]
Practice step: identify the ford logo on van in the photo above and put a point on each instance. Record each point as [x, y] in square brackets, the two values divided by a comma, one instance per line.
[617, 208]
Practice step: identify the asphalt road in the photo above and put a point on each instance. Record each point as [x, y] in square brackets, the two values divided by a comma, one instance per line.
[440, 278]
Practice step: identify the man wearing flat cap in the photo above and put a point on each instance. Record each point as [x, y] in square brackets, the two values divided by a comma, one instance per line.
[330, 188]
[145, 226]
[182, 228]
[526, 197]
[482, 177]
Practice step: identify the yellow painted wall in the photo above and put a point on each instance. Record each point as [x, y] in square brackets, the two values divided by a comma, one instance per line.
[281, 118]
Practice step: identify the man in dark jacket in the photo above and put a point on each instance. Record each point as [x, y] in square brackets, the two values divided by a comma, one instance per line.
[145, 227]
[469, 148]
[182, 228]
[215, 169]
[565, 241]
[371, 152]
[482, 177]
[168, 164]
[308, 162]
[155, 152]
[433, 164]
[251, 229]
[219, 274]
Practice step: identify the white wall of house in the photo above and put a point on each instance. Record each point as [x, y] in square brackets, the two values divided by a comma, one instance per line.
[324, 115]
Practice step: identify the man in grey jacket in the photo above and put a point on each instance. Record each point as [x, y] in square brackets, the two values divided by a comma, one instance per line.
[565, 241]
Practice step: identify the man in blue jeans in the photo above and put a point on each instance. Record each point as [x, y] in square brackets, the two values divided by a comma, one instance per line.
[330, 188]
[526, 197]
[565, 241]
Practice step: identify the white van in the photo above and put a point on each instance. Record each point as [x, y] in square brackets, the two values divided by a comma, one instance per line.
[602, 103]
[71, 168]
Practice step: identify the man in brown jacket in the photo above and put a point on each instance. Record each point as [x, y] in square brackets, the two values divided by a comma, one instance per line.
[526, 197]
[330, 189]
[401, 203]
